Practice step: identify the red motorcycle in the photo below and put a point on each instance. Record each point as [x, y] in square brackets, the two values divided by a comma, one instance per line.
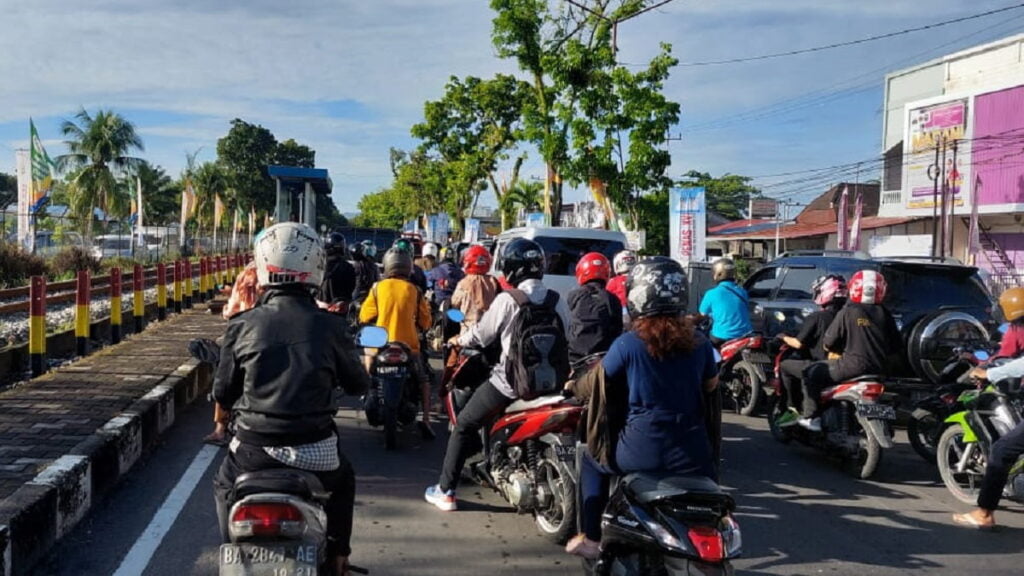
[743, 371]
[855, 423]
[529, 453]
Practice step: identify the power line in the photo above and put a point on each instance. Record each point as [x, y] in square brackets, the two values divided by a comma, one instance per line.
[850, 42]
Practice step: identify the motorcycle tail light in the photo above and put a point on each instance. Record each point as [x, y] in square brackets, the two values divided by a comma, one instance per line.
[949, 399]
[393, 356]
[267, 519]
[731, 537]
[873, 391]
[708, 542]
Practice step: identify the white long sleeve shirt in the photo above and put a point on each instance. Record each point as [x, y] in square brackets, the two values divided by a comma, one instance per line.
[1014, 369]
[496, 324]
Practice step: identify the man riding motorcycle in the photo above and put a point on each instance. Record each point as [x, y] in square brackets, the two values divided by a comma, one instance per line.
[727, 304]
[418, 277]
[863, 335]
[279, 382]
[339, 276]
[622, 263]
[397, 305]
[443, 279]
[595, 316]
[364, 260]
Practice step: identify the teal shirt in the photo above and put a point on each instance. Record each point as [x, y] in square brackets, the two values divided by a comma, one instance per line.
[727, 305]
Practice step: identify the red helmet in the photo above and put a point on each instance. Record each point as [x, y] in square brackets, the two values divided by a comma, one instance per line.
[476, 260]
[593, 266]
[867, 287]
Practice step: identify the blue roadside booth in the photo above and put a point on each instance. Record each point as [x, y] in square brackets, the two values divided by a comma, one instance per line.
[297, 190]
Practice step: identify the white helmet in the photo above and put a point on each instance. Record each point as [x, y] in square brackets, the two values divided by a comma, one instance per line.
[624, 261]
[289, 253]
[430, 249]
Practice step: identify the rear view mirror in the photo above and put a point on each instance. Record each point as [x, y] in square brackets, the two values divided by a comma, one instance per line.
[1004, 327]
[455, 315]
[372, 337]
[981, 355]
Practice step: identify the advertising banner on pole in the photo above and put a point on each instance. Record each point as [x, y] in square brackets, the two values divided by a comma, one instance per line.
[23, 170]
[472, 231]
[687, 219]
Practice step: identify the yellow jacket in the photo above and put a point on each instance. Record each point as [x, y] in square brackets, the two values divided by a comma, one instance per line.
[398, 306]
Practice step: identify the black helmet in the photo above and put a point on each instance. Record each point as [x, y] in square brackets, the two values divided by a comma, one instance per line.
[356, 250]
[397, 263]
[657, 287]
[522, 259]
[335, 244]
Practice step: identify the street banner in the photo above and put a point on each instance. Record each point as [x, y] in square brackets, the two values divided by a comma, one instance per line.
[188, 201]
[858, 211]
[252, 223]
[974, 233]
[472, 231]
[940, 127]
[842, 234]
[636, 239]
[23, 170]
[535, 220]
[687, 224]
[42, 171]
[137, 213]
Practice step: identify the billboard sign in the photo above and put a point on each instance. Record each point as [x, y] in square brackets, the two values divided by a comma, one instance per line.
[941, 127]
[687, 219]
[764, 208]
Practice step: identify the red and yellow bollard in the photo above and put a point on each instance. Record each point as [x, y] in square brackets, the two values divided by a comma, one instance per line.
[179, 297]
[187, 276]
[37, 325]
[211, 279]
[161, 291]
[82, 313]
[115, 305]
[139, 297]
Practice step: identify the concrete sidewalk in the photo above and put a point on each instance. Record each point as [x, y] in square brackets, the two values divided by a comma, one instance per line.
[68, 436]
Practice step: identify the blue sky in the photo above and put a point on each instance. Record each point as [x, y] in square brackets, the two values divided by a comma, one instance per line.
[349, 78]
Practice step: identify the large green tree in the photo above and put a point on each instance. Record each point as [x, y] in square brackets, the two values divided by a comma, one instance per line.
[381, 209]
[291, 153]
[161, 195]
[728, 194]
[209, 181]
[244, 154]
[99, 149]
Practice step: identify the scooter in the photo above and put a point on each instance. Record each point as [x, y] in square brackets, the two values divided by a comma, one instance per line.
[393, 399]
[989, 413]
[529, 452]
[855, 425]
[743, 371]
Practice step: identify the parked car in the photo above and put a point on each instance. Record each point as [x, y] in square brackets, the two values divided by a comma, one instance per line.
[938, 304]
[563, 248]
[112, 246]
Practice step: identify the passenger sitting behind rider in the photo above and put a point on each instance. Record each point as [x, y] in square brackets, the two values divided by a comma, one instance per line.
[829, 292]
[595, 314]
[396, 304]
[668, 367]
[279, 382]
[1012, 343]
[863, 336]
[474, 293]
[727, 304]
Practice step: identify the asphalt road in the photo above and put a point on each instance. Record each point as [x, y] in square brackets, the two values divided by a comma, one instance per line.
[800, 515]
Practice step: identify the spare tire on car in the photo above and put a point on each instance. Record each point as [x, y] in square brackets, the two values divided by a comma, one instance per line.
[933, 339]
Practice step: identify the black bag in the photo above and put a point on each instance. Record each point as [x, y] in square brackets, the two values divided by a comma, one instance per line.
[538, 358]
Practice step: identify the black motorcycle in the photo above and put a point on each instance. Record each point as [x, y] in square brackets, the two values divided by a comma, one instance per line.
[393, 399]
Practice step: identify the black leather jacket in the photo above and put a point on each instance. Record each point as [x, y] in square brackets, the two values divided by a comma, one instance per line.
[278, 367]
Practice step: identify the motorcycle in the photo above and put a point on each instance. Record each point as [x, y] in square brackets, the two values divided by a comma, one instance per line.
[743, 370]
[393, 399]
[989, 413]
[927, 420]
[528, 453]
[667, 524]
[855, 425]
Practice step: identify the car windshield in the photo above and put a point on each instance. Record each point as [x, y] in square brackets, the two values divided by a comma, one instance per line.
[561, 254]
[933, 287]
[117, 244]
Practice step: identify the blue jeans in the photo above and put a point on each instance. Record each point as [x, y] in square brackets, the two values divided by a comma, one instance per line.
[595, 480]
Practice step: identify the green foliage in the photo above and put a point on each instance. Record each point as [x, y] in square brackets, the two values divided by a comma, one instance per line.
[652, 214]
[244, 155]
[17, 265]
[327, 213]
[380, 210]
[8, 190]
[161, 195]
[74, 258]
[291, 153]
[727, 195]
[209, 181]
[525, 195]
[98, 153]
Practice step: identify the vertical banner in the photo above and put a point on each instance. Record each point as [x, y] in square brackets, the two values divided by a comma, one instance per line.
[23, 169]
[42, 171]
[138, 212]
[974, 234]
[472, 231]
[854, 243]
[842, 234]
[687, 224]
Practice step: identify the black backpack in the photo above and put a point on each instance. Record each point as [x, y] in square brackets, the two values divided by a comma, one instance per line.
[538, 358]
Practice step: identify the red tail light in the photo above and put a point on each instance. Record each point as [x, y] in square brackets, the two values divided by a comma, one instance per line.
[708, 543]
[393, 355]
[267, 519]
[873, 391]
[949, 399]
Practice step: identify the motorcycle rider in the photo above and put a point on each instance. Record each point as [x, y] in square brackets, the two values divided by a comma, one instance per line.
[727, 304]
[340, 276]
[474, 293]
[396, 304]
[444, 277]
[429, 258]
[622, 262]
[829, 292]
[364, 259]
[863, 335]
[418, 277]
[595, 314]
[667, 367]
[522, 264]
[1011, 301]
[279, 382]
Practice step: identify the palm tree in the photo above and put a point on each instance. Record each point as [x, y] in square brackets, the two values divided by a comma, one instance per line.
[98, 153]
[209, 182]
[523, 194]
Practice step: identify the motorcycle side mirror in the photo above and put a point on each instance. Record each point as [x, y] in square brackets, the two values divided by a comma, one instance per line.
[718, 356]
[981, 355]
[1004, 327]
[372, 337]
[455, 315]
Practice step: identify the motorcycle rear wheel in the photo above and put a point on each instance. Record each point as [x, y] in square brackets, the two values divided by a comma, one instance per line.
[745, 388]
[558, 521]
[964, 486]
[924, 436]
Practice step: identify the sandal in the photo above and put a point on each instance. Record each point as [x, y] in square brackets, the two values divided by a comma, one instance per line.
[215, 440]
[969, 521]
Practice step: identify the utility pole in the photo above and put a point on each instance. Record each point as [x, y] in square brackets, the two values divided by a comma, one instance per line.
[941, 175]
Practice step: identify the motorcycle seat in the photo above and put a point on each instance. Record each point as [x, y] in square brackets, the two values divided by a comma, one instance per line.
[281, 480]
[523, 405]
[865, 378]
[648, 487]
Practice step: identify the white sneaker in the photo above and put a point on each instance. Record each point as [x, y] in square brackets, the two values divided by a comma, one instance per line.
[812, 424]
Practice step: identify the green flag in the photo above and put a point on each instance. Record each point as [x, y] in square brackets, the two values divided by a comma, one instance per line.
[42, 170]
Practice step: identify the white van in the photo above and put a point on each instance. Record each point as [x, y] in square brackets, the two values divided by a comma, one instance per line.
[563, 248]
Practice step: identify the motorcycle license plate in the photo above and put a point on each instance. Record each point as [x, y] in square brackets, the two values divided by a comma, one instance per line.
[390, 370]
[877, 411]
[566, 452]
[246, 559]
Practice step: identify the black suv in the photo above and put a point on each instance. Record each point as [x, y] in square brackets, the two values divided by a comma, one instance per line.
[938, 304]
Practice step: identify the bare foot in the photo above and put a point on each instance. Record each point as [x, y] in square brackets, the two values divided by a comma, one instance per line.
[979, 519]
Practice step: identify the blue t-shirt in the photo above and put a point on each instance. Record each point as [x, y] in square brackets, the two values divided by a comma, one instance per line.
[727, 305]
[665, 427]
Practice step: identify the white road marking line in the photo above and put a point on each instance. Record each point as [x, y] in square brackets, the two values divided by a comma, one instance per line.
[138, 557]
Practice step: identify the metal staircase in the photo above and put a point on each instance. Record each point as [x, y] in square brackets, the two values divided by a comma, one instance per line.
[1001, 264]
